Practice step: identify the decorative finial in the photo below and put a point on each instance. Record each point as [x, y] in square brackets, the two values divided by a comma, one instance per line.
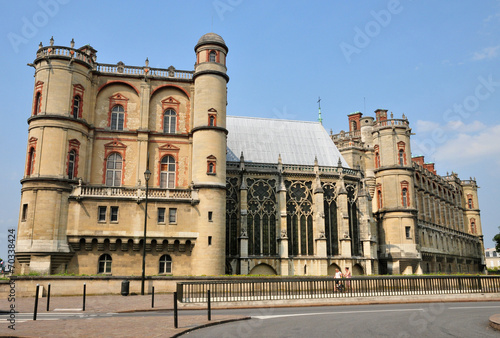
[339, 163]
[242, 158]
[315, 160]
[279, 159]
[392, 115]
[72, 43]
[320, 120]
[52, 41]
[40, 45]
[147, 62]
[404, 117]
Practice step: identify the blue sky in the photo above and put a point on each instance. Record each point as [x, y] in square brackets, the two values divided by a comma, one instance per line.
[438, 62]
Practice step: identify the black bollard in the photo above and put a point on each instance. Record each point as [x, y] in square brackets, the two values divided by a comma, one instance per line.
[175, 310]
[36, 301]
[48, 297]
[153, 297]
[84, 292]
[208, 303]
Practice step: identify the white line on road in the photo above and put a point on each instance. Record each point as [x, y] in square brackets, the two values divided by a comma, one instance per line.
[67, 309]
[474, 307]
[332, 313]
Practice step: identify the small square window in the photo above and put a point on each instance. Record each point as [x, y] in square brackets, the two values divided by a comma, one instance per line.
[24, 214]
[114, 214]
[172, 215]
[161, 215]
[101, 215]
[210, 216]
[408, 233]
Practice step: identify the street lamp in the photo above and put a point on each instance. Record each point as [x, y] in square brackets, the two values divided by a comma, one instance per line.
[147, 176]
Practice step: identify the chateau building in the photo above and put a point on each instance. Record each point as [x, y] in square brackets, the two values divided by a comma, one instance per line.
[225, 194]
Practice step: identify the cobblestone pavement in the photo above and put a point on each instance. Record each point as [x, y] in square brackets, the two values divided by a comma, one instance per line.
[156, 326]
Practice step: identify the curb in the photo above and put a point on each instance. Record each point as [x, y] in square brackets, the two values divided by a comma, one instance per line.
[208, 325]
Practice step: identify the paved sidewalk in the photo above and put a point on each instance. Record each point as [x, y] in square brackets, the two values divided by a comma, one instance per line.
[157, 326]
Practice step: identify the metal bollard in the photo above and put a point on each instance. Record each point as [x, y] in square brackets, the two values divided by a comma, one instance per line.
[153, 297]
[36, 301]
[48, 297]
[84, 292]
[209, 308]
[175, 310]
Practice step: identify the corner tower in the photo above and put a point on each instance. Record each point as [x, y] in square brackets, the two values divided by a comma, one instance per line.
[209, 152]
[394, 202]
[57, 140]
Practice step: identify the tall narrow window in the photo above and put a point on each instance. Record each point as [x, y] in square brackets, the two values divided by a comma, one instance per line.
[213, 55]
[169, 121]
[212, 121]
[114, 214]
[165, 264]
[24, 213]
[114, 170]
[117, 117]
[401, 157]
[36, 108]
[31, 162]
[404, 194]
[105, 263]
[473, 229]
[379, 199]
[76, 106]
[71, 164]
[101, 213]
[470, 203]
[408, 232]
[161, 215]
[172, 215]
[167, 172]
[377, 160]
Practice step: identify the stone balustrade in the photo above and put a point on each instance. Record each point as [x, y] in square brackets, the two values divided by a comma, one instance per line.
[138, 194]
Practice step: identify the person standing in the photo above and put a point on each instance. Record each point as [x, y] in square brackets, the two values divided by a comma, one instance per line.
[338, 276]
[347, 275]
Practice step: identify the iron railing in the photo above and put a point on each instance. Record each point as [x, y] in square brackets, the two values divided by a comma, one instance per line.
[307, 288]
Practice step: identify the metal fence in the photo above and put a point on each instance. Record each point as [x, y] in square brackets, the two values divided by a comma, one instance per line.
[309, 288]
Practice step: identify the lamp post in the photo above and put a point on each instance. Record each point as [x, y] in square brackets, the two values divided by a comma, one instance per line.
[147, 176]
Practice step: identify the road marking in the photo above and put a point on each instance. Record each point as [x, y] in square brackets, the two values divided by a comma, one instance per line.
[332, 313]
[474, 307]
[67, 309]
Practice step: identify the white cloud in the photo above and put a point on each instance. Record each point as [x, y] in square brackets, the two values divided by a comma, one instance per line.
[492, 17]
[481, 148]
[486, 53]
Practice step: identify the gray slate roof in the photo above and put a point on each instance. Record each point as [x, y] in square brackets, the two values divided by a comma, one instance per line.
[262, 140]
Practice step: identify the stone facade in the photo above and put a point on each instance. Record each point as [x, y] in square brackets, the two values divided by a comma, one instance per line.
[95, 129]
[426, 222]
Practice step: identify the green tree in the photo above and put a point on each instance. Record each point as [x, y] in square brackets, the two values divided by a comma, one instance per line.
[497, 240]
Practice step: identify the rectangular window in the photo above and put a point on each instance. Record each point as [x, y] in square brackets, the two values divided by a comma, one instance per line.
[172, 215]
[494, 253]
[210, 216]
[114, 214]
[161, 215]
[101, 214]
[209, 240]
[24, 214]
[408, 233]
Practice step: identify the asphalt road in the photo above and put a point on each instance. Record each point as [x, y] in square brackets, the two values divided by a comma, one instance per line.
[388, 320]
